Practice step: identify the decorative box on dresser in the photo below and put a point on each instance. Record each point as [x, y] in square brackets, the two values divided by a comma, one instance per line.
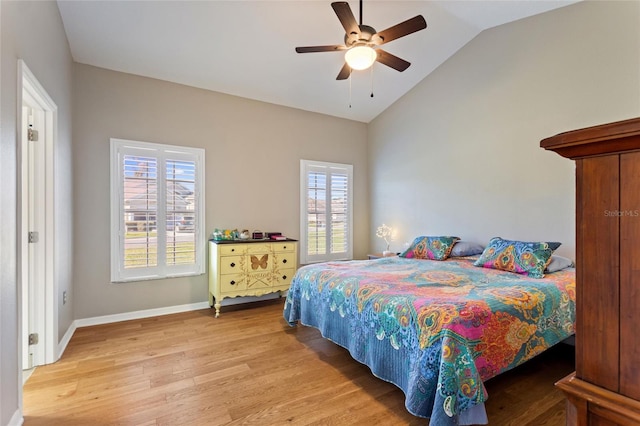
[250, 268]
[605, 388]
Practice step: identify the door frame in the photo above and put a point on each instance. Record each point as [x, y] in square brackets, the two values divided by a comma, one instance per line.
[47, 289]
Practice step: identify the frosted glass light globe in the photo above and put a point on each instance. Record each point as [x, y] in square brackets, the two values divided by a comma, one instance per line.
[360, 57]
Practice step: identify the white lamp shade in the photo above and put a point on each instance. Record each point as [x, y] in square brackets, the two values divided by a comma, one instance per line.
[360, 57]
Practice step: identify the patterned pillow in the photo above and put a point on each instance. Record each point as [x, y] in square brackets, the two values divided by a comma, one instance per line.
[434, 248]
[527, 258]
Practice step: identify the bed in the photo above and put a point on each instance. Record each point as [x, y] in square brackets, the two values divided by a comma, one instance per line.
[436, 329]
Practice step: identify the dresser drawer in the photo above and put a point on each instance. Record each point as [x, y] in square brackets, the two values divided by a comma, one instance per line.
[283, 279]
[285, 260]
[262, 280]
[231, 264]
[232, 283]
[285, 246]
[229, 249]
[257, 248]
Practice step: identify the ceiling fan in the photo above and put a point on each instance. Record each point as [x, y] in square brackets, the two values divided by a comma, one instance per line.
[362, 41]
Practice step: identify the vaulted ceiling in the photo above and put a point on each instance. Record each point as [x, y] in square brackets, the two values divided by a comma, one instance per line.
[246, 48]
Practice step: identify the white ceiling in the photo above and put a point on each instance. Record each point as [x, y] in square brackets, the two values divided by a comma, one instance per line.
[246, 48]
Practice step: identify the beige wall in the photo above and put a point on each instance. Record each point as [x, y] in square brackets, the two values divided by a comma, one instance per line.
[460, 154]
[32, 31]
[253, 153]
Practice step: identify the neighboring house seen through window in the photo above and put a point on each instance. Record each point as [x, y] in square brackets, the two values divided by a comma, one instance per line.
[157, 205]
[326, 223]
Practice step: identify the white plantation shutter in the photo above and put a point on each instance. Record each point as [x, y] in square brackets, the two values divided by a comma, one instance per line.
[157, 211]
[340, 223]
[181, 175]
[139, 186]
[326, 211]
[315, 214]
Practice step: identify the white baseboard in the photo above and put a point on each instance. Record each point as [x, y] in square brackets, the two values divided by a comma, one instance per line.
[62, 345]
[16, 419]
[126, 316]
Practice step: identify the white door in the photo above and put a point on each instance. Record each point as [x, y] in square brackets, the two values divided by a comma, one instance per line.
[32, 235]
[38, 308]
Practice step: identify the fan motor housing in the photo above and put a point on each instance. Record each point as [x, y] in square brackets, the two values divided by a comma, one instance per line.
[367, 36]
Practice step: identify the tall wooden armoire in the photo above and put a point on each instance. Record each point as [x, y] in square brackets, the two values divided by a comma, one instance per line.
[605, 388]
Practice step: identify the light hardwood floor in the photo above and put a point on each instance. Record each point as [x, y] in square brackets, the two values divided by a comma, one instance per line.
[249, 367]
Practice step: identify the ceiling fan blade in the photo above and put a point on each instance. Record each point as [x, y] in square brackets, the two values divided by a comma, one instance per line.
[392, 61]
[310, 49]
[344, 73]
[402, 29]
[348, 21]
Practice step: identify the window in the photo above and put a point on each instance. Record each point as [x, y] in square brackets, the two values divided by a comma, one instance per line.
[157, 211]
[326, 223]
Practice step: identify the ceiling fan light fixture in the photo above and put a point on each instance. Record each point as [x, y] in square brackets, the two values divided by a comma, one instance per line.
[360, 57]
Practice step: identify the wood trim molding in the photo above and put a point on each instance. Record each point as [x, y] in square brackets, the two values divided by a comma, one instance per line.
[602, 402]
[620, 136]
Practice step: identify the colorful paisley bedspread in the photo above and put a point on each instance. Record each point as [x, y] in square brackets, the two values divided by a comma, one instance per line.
[436, 329]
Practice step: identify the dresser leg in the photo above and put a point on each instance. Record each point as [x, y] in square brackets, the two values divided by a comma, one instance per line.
[217, 306]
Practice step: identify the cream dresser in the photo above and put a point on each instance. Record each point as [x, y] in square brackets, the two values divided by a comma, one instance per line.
[251, 268]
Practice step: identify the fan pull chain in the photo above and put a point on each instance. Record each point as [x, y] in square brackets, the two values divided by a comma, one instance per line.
[372, 81]
[350, 74]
